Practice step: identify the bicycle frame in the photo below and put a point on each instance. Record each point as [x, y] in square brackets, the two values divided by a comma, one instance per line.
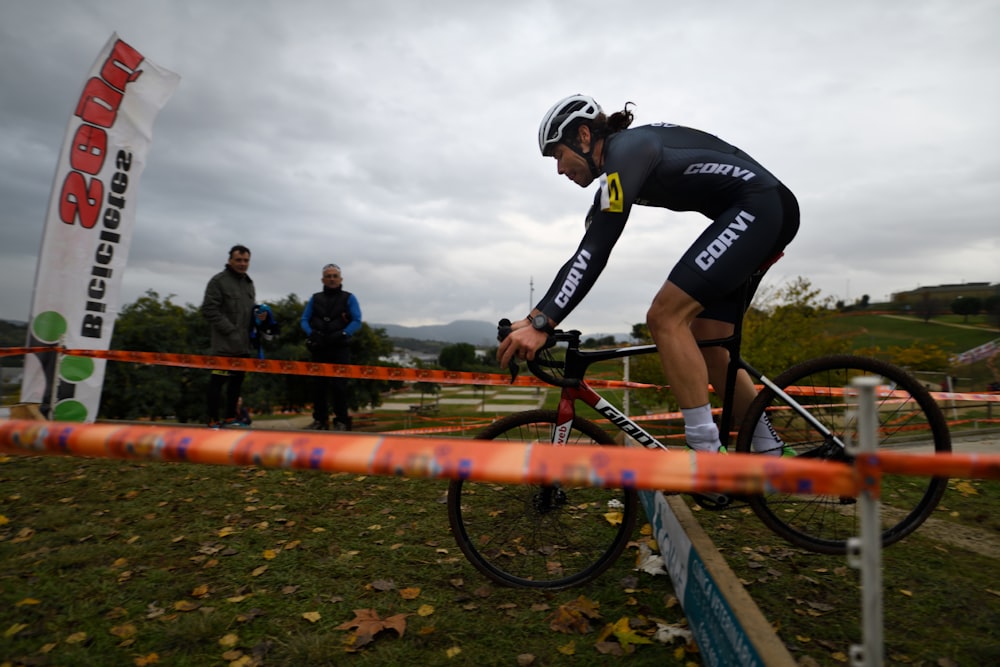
[573, 390]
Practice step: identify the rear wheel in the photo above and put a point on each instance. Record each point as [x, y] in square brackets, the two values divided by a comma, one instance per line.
[908, 420]
[532, 536]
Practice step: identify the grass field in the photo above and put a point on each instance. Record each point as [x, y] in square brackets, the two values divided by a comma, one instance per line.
[114, 563]
[951, 334]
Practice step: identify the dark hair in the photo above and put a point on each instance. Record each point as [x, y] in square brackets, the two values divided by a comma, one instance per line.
[603, 126]
[238, 248]
[620, 120]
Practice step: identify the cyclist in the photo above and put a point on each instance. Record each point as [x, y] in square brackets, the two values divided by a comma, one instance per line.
[752, 217]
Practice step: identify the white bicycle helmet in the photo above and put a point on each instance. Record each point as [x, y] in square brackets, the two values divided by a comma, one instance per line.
[562, 115]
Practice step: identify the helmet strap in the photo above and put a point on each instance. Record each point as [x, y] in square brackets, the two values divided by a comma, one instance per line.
[588, 156]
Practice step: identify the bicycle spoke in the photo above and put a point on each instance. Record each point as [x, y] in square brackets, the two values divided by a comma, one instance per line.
[908, 419]
[541, 536]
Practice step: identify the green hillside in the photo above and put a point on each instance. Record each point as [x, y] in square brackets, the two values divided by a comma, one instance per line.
[950, 333]
[867, 330]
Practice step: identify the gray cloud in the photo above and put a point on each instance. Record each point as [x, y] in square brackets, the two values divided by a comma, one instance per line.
[398, 139]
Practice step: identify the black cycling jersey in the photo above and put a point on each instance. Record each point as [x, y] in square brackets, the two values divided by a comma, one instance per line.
[682, 169]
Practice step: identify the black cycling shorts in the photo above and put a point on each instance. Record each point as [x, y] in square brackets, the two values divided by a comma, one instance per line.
[740, 241]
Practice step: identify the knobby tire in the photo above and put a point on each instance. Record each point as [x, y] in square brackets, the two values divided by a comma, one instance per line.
[911, 423]
[541, 537]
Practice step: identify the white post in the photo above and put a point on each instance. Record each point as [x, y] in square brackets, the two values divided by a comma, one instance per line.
[951, 389]
[866, 553]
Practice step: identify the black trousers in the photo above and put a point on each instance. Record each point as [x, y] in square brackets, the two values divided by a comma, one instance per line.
[336, 388]
[233, 382]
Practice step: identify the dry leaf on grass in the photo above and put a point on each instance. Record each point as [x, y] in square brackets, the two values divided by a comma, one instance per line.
[367, 624]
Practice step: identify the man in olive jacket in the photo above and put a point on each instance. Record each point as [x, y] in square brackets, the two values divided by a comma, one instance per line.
[228, 306]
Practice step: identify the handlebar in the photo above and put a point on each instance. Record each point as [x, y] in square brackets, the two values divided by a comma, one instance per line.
[538, 365]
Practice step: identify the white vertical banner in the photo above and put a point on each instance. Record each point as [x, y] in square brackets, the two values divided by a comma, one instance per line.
[88, 228]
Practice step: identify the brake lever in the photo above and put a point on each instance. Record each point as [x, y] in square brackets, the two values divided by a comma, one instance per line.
[503, 330]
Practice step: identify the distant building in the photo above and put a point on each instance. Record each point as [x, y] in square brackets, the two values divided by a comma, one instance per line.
[407, 358]
[938, 298]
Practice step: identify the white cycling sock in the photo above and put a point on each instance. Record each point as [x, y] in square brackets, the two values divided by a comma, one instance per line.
[700, 430]
[765, 439]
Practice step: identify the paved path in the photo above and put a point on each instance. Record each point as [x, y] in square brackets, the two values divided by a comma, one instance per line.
[944, 324]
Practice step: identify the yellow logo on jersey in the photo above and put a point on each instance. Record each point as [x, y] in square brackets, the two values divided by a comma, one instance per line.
[612, 199]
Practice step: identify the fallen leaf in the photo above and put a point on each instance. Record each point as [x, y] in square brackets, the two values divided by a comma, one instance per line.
[453, 651]
[573, 616]
[77, 638]
[124, 631]
[649, 562]
[270, 554]
[144, 660]
[14, 629]
[230, 640]
[186, 605]
[411, 593]
[568, 649]
[609, 648]
[966, 489]
[667, 633]
[425, 610]
[312, 616]
[27, 601]
[259, 571]
[368, 622]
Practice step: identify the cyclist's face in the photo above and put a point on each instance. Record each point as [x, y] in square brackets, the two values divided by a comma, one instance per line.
[570, 164]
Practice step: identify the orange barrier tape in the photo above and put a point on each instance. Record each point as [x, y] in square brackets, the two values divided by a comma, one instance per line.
[970, 466]
[418, 374]
[311, 368]
[532, 463]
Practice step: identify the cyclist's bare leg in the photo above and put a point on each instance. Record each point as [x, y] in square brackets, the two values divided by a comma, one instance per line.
[669, 320]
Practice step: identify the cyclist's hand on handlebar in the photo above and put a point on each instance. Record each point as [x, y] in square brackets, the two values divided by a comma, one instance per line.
[521, 343]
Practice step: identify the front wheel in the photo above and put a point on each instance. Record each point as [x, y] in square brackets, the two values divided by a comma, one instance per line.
[908, 420]
[531, 536]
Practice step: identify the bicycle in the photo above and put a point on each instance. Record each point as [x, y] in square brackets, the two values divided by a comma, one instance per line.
[556, 537]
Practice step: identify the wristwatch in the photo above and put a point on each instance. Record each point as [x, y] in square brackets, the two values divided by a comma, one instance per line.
[541, 322]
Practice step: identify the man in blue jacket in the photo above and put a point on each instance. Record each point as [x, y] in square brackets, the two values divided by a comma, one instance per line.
[330, 319]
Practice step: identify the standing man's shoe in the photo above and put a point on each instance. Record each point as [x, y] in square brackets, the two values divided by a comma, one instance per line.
[318, 426]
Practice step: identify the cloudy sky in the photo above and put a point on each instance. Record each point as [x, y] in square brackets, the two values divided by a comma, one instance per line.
[398, 139]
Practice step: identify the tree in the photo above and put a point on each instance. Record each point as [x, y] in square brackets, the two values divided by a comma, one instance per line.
[598, 341]
[991, 305]
[457, 357]
[640, 333]
[965, 306]
[786, 325]
[138, 390]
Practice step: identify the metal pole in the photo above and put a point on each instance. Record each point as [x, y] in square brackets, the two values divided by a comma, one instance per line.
[866, 553]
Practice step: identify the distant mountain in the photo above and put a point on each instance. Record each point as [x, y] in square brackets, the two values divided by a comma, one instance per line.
[459, 331]
[480, 334]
